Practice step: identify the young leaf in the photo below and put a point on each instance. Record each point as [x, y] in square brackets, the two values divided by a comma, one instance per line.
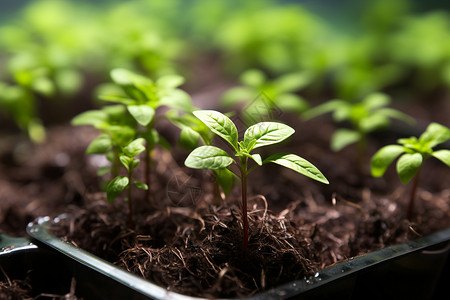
[189, 138]
[443, 155]
[257, 158]
[342, 138]
[383, 158]
[143, 114]
[297, 164]
[170, 81]
[435, 134]
[115, 187]
[237, 95]
[324, 108]
[126, 162]
[375, 100]
[135, 147]
[140, 185]
[266, 133]
[208, 157]
[100, 145]
[225, 179]
[220, 125]
[408, 165]
[90, 117]
[291, 103]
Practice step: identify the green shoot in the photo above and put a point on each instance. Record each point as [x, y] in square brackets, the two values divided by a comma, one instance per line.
[142, 97]
[413, 152]
[263, 97]
[256, 136]
[366, 116]
[120, 183]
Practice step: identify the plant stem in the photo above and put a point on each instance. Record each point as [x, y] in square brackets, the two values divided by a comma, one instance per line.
[147, 173]
[130, 203]
[412, 197]
[243, 168]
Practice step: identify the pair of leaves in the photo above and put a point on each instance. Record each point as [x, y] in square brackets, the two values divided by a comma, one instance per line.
[413, 152]
[261, 134]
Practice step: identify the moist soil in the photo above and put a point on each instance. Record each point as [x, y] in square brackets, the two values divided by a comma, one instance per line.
[189, 241]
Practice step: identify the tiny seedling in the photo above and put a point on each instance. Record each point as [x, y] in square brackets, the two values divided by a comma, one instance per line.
[121, 183]
[264, 98]
[413, 152]
[258, 135]
[20, 104]
[365, 116]
[142, 97]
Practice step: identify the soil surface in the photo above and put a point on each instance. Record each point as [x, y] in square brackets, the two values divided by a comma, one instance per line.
[188, 241]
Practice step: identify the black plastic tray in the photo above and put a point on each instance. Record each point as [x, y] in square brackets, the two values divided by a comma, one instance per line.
[415, 270]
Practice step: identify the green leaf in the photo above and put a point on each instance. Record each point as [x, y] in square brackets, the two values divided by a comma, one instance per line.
[143, 114]
[177, 99]
[291, 103]
[324, 108]
[189, 138]
[342, 138]
[292, 82]
[220, 125]
[374, 122]
[115, 187]
[443, 155]
[100, 145]
[375, 100]
[383, 158]
[257, 158]
[236, 95]
[103, 170]
[125, 77]
[408, 165]
[396, 114]
[297, 164]
[225, 178]
[208, 157]
[266, 133]
[135, 147]
[90, 117]
[118, 99]
[140, 185]
[126, 162]
[435, 134]
[170, 81]
[253, 78]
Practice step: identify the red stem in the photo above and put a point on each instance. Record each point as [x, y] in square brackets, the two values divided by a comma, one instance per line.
[244, 209]
[243, 168]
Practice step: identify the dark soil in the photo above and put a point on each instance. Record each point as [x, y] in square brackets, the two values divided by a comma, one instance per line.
[191, 244]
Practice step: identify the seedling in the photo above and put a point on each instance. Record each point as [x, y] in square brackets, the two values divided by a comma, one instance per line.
[117, 130]
[142, 97]
[121, 183]
[20, 103]
[365, 116]
[256, 136]
[413, 152]
[263, 98]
